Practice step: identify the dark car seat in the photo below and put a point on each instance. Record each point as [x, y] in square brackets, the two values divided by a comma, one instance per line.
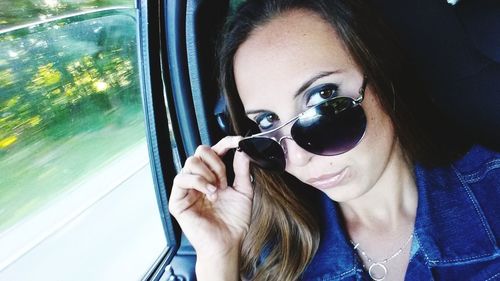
[456, 50]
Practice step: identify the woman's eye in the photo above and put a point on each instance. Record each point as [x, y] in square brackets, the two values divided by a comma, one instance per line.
[322, 94]
[266, 121]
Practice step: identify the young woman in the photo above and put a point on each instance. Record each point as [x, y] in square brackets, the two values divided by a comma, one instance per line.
[378, 195]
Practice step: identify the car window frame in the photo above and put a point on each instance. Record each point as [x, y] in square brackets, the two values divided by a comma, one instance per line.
[162, 160]
[183, 95]
[163, 150]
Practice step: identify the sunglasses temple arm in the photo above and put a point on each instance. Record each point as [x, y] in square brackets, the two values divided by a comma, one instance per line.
[362, 91]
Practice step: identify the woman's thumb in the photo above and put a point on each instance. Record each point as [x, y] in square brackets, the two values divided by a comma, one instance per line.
[242, 178]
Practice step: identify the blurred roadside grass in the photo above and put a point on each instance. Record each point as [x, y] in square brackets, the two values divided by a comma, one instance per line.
[40, 172]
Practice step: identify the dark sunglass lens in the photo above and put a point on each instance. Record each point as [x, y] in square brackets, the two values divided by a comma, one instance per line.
[264, 152]
[250, 127]
[331, 128]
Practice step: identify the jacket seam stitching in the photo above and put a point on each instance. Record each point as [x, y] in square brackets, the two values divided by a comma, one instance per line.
[337, 277]
[462, 259]
[491, 278]
[427, 259]
[477, 176]
[476, 207]
[347, 272]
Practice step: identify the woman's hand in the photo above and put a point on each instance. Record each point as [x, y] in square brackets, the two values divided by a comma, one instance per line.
[213, 216]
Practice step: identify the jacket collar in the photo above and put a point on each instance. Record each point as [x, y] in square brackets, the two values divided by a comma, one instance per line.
[335, 257]
[450, 226]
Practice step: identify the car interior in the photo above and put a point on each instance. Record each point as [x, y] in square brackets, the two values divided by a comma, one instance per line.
[454, 46]
[155, 60]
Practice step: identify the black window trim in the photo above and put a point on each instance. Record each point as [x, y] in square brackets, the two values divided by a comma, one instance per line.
[162, 153]
[174, 91]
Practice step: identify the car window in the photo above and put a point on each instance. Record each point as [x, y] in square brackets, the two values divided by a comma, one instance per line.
[77, 199]
[14, 13]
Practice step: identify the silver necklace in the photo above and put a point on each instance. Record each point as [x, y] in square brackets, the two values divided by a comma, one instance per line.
[377, 266]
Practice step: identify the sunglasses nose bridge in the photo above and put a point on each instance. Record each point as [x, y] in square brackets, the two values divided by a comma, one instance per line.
[295, 155]
[280, 141]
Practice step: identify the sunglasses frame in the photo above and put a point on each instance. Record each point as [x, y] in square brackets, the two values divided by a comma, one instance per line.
[357, 102]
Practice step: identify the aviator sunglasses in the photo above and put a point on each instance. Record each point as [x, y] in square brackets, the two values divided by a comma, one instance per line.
[332, 127]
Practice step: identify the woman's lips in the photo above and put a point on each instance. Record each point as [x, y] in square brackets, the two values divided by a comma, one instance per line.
[328, 180]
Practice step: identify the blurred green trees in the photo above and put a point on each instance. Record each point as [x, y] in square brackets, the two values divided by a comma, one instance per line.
[70, 98]
[14, 12]
[66, 77]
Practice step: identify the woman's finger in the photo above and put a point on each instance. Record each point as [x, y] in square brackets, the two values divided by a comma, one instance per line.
[176, 207]
[242, 181]
[183, 183]
[226, 144]
[197, 166]
[214, 163]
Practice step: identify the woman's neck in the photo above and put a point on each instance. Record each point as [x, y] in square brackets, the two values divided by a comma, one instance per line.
[392, 200]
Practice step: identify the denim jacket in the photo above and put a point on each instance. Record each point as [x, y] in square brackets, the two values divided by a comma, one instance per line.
[456, 232]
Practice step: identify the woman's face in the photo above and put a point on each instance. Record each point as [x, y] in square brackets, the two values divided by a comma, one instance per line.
[295, 49]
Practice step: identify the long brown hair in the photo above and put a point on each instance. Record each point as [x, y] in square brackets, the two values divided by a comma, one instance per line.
[283, 235]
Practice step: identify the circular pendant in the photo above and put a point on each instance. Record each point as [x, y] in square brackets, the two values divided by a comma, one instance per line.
[377, 271]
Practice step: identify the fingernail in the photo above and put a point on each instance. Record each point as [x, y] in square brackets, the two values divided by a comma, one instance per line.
[212, 197]
[212, 188]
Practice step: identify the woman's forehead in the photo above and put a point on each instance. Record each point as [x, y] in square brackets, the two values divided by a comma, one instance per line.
[291, 33]
[283, 52]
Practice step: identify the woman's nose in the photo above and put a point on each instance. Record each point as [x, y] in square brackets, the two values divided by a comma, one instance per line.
[295, 155]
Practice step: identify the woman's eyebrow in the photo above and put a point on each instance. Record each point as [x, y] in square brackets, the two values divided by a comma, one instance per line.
[313, 79]
[302, 88]
[255, 111]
